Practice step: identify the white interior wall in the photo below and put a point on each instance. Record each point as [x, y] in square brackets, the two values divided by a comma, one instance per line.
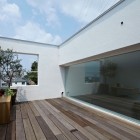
[50, 82]
[105, 34]
[75, 82]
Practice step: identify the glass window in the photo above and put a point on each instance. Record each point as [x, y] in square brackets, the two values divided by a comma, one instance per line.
[114, 83]
[92, 72]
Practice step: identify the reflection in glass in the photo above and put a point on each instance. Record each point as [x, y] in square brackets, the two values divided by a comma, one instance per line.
[114, 83]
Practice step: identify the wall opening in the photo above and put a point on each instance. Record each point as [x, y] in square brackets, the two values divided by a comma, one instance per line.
[29, 74]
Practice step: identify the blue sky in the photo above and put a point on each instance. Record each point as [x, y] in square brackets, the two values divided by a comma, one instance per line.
[48, 21]
[27, 60]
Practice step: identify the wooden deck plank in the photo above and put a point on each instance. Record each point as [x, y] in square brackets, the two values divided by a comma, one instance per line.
[128, 125]
[18, 114]
[105, 121]
[11, 131]
[52, 126]
[17, 106]
[37, 130]
[65, 131]
[28, 130]
[78, 127]
[20, 131]
[99, 129]
[113, 132]
[23, 111]
[45, 128]
[96, 133]
[3, 129]
[116, 129]
[79, 135]
[13, 113]
[36, 113]
[64, 122]
[61, 137]
[70, 114]
[123, 128]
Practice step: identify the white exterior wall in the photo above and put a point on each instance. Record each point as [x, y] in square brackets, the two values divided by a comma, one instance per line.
[105, 34]
[50, 83]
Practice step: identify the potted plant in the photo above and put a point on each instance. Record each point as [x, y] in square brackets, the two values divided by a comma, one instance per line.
[9, 92]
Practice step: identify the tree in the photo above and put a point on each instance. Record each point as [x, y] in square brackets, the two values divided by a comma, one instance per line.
[108, 70]
[10, 66]
[34, 66]
[32, 75]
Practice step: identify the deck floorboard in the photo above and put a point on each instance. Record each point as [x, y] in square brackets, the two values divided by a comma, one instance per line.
[63, 119]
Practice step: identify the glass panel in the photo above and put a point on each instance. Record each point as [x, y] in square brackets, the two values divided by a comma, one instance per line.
[112, 83]
[92, 72]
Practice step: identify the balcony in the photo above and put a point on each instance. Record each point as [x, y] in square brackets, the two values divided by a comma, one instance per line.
[73, 69]
[62, 119]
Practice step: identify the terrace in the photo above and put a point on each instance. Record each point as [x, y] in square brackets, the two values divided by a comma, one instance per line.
[63, 119]
[73, 69]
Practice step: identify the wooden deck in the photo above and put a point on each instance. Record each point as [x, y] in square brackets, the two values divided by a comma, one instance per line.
[62, 119]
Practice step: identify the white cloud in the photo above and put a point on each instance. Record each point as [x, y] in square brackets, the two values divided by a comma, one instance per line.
[33, 32]
[9, 11]
[85, 10]
[47, 8]
[82, 11]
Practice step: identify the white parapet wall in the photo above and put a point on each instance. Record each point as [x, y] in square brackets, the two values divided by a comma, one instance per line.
[50, 83]
[117, 28]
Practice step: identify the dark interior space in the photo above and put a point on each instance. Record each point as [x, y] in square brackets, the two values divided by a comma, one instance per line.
[111, 83]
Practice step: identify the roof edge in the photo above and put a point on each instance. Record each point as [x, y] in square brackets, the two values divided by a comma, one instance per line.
[27, 41]
[90, 23]
[59, 45]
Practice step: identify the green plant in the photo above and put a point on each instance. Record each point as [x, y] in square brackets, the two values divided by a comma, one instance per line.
[10, 66]
[108, 70]
[32, 75]
[9, 92]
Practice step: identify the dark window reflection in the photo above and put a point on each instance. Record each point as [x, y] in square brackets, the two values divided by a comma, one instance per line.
[112, 83]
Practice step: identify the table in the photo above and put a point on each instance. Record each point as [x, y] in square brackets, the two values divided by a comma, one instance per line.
[5, 103]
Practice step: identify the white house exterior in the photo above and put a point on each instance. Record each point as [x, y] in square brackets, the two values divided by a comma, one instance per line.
[19, 82]
[50, 82]
[115, 32]
[105, 34]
